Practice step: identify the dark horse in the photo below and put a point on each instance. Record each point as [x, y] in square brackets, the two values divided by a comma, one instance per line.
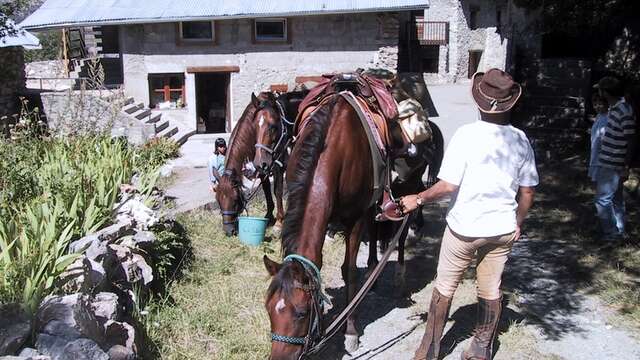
[265, 114]
[329, 180]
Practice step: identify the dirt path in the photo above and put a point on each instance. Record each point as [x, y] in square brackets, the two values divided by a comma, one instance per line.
[547, 316]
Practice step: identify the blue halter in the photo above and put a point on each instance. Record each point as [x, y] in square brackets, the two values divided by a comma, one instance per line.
[311, 268]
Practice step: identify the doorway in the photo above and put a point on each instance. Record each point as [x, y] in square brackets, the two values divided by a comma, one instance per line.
[474, 61]
[212, 102]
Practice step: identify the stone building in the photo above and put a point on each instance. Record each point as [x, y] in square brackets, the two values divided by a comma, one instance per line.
[452, 39]
[12, 77]
[201, 60]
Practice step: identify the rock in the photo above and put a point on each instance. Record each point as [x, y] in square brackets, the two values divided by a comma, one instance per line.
[61, 349]
[123, 264]
[94, 275]
[105, 307]
[141, 239]
[166, 170]
[119, 352]
[120, 333]
[143, 216]
[94, 245]
[30, 353]
[68, 317]
[15, 329]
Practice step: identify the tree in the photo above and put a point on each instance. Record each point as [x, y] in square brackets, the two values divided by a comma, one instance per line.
[11, 10]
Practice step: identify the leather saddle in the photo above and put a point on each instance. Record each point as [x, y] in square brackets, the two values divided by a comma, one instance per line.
[376, 107]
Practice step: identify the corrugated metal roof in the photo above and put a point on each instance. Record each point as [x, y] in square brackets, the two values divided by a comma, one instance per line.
[20, 38]
[59, 13]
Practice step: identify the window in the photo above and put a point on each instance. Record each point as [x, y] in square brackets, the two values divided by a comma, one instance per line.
[473, 17]
[166, 90]
[197, 31]
[266, 30]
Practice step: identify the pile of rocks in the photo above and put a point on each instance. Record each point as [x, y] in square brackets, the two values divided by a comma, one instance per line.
[94, 321]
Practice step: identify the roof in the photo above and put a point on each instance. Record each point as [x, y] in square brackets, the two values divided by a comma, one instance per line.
[19, 38]
[68, 13]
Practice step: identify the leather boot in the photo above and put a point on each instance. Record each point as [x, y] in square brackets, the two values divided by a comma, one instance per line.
[481, 346]
[436, 319]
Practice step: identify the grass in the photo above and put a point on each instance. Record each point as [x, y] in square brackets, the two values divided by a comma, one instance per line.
[217, 309]
[520, 343]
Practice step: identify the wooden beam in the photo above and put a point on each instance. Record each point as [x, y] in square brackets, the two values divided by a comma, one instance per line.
[212, 69]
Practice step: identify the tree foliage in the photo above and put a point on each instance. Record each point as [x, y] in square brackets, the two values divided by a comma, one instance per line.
[10, 9]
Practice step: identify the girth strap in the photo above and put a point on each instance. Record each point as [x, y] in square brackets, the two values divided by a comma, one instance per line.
[377, 147]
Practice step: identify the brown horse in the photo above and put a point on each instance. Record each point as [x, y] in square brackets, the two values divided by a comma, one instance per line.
[253, 124]
[329, 179]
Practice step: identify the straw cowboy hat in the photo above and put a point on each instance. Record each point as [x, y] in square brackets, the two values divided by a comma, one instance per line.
[495, 91]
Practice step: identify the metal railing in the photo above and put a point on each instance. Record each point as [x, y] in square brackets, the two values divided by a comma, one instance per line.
[430, 32]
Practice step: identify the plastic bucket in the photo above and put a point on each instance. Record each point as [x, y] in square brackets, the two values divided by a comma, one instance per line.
[251, 230]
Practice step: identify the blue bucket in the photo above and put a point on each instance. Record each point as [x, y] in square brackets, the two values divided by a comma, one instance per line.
[251, 230]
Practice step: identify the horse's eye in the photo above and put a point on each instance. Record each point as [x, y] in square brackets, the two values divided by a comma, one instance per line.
[273, 128]
[300, 314]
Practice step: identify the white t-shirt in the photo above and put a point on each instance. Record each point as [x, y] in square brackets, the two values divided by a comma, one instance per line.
[489, 163]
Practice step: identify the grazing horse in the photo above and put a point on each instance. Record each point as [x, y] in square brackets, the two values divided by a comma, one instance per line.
[252, 125]
[329, 179]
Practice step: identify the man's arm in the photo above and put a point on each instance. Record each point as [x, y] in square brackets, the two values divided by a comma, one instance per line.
[525, 201]
[436, 192]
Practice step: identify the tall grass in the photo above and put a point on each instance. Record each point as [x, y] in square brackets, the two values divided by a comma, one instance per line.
[52, 191]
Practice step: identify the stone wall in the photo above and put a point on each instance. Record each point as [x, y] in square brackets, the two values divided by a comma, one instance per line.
[318, 44]
[12, 79]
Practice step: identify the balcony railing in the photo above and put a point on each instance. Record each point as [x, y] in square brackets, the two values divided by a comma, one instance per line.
[430, 32]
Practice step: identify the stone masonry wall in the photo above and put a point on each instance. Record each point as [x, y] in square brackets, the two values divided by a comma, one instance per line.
[12, 79]
[318, 44]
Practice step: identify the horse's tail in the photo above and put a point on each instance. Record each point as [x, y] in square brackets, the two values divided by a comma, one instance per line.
[436, 154]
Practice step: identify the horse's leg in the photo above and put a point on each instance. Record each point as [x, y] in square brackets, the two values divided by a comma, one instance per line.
[350, 277]
[266, 187]
[278, 188]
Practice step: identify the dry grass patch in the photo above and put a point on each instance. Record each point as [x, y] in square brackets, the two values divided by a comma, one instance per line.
[520, 343]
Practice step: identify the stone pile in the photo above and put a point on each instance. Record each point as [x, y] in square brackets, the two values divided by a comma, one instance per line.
[93, 321]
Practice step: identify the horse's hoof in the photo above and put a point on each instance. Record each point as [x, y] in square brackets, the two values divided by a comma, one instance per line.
[351, 343]
[277, 230]
[328, 237]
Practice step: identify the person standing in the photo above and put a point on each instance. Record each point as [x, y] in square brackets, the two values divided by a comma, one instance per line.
[216, 163]
[490, 172]
[597, 131]
[615, 156]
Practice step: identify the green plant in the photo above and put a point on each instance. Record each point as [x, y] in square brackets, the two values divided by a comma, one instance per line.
[156, 152]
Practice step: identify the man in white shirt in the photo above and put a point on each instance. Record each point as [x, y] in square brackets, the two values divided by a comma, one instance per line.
[489, 170]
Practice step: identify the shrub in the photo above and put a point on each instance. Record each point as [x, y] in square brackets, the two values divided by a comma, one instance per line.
[156, 152]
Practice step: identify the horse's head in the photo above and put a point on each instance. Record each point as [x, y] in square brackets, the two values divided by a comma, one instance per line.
[293, 305]
[231, 200]
[271, 134]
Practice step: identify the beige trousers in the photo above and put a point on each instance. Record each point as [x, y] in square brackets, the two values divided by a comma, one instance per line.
[456, 254]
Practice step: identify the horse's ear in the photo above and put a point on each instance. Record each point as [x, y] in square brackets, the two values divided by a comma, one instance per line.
[254, 100]
[272, 266]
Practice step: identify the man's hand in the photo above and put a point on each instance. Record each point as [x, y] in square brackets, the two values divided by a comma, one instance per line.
[408, 203]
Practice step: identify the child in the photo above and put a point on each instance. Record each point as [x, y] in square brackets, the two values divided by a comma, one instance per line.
[216, 163]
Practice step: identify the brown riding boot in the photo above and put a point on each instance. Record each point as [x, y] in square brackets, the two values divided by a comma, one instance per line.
[436, 319]
[481, 346]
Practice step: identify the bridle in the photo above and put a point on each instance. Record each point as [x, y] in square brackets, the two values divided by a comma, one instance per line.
[279, 150]
[242, 201]
[317, 336]
[318, 301]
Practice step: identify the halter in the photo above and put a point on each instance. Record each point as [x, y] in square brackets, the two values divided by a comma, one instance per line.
[278, 151]
[318, 300]
[243, 202]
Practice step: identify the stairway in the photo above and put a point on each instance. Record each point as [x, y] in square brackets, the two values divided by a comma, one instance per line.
[163, 127]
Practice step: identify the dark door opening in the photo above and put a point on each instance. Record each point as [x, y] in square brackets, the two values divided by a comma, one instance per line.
[212, 95]
[474, 61]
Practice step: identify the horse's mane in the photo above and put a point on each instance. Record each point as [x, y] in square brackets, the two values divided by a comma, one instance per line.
[243, 138]
[310, 145]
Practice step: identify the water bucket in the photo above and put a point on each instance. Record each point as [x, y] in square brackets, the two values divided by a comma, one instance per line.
[251, 230]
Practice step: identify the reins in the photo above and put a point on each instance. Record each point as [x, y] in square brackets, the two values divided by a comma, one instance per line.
[313, 344]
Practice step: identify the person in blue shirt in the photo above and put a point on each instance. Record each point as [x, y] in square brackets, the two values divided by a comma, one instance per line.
[216, 162]
[597, 130]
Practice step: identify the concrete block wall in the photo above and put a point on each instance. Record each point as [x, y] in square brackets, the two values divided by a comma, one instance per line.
[319, 44]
